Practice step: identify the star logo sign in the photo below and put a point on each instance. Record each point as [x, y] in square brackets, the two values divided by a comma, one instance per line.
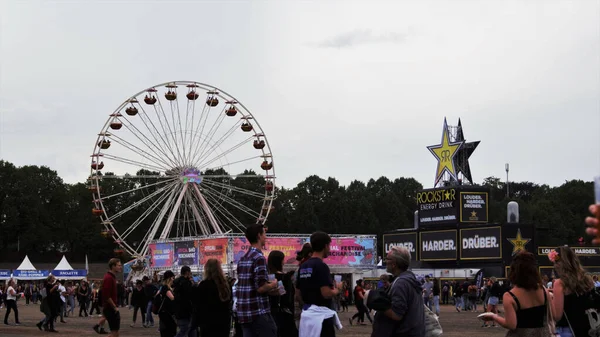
[518, 243]
[474, 214]
[444, 153]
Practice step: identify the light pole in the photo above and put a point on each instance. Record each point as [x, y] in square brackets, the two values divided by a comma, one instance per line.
[506, 168]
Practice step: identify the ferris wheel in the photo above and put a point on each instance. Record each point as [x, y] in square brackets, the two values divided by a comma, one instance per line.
[171, 163]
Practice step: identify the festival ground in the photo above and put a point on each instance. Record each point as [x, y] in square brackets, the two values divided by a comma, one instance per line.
[464, 324]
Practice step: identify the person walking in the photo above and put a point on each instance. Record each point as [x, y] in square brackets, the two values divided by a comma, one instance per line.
[84, 297]
[150, 290]
[212, 299]
[315, 286]
[254, 286]
[359, 297]
[138, 302]
[11, 302]
[574, 305]
[406, 316]
[28, 290]
[436, 297]
[526, 304]
[182, 291]
[282, 304]
[110, 308]
[167, 324]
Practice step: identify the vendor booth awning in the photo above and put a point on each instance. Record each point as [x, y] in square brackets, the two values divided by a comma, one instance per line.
[5, 274]
[26, 271]
[64, 271]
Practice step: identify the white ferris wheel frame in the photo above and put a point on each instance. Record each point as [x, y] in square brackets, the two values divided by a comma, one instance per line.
[173, 192]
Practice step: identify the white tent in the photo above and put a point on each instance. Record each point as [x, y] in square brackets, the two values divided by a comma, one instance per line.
[63, 264]
[26, 271]
[64, 271]
[26, 264]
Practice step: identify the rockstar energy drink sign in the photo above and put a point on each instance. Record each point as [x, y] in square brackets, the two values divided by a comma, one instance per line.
[438, 206]
[453, 205]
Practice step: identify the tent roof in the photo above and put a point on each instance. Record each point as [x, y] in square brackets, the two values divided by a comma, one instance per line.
[26, 264]
[63, 264]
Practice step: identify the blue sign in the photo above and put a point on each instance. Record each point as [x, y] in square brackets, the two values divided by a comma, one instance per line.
[24, 274]
[69, 273]
[4, 273]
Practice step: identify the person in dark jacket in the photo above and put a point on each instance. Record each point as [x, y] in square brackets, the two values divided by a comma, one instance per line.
[406, 317]
[150, 291]
[282, 305]
[182, 290]
[138, 301]
[436, 296]
[167, 324]
[212, 300]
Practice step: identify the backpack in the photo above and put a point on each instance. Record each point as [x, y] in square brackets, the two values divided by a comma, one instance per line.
[157, 302]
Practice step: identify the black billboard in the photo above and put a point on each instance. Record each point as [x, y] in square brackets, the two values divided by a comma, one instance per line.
[516, 238]
[407, 240]
[580, 251]
[438, 245]
[481, 243]
[473, 207]
[438, 206]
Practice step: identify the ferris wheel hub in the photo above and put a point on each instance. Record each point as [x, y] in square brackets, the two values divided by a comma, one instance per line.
[191, 176]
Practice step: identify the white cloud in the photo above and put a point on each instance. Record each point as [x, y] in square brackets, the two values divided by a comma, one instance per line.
[361, 37]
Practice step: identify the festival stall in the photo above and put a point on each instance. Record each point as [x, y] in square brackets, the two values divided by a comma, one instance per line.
[5, 274]
[64, 271]
[26, 271]
[350, 256]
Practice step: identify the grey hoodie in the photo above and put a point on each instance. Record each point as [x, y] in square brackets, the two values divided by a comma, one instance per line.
[407, 302]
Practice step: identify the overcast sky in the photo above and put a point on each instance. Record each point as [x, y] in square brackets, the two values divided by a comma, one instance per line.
[352, 90]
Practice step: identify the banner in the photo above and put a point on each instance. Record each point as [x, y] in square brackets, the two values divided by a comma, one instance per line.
[69, 273]
[352, 252]
[438, 245]
[474, 207]
[437, 206]
[186, 253]
[4, 273]
[212, 249]
[481, 243]
[580, 251]
[30, 274]
[161, 254]
[406, 240]
[288, 245]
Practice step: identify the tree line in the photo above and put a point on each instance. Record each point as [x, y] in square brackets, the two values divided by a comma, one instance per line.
[45, 217]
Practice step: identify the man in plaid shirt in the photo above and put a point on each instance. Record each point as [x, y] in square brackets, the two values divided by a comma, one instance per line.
[252, 292]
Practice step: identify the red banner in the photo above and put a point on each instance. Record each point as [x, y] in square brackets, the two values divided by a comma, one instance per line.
[212, 249]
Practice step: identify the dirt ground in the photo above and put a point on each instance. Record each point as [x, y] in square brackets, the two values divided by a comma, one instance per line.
[463, 324]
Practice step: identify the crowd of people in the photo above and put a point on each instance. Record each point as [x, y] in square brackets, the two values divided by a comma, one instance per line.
[265, 301]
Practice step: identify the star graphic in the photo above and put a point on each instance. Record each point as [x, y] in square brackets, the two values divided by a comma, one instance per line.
[461, 160]
[473, 214]
[518, 243]
[445, 153]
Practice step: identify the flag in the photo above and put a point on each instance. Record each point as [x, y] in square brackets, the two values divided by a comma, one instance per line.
[479, 281]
